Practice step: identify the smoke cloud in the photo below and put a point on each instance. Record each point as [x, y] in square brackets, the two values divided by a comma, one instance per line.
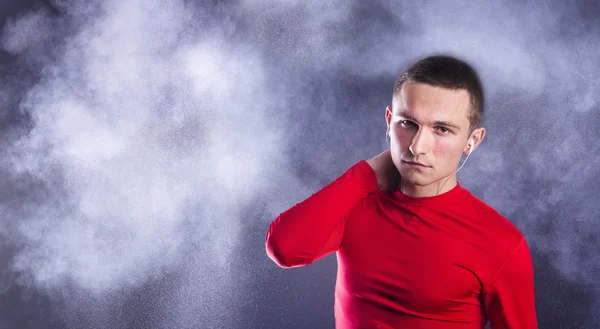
[148, 137]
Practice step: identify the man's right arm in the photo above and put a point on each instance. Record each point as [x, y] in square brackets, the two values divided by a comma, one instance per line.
[314, 227]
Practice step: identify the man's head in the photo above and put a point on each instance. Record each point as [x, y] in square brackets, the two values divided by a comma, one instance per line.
[437, 106]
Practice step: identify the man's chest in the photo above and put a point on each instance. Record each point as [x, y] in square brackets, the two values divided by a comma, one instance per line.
[409, 265]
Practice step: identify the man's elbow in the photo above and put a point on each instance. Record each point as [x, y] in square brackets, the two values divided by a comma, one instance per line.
[281, 254]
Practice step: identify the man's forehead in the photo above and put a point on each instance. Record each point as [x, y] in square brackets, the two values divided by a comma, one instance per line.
[430, 112]
[422, 94]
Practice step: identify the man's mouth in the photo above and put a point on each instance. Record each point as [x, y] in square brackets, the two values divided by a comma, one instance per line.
[415, 164]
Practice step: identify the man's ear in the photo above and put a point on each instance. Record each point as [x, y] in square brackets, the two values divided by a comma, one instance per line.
[388, 115]
[477, 137]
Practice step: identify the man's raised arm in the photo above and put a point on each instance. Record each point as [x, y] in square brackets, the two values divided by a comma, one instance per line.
[314, 227]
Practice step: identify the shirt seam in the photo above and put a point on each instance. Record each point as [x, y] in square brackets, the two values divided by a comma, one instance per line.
[493, 278]
[428, 204]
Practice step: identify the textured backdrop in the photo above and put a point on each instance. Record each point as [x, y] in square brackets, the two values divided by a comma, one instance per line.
[145, 146]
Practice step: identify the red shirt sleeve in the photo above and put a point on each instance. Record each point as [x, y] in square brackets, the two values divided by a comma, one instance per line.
[314, 227]
[509, 298]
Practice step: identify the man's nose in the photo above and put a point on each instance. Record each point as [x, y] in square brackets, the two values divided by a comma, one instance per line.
[420, 142]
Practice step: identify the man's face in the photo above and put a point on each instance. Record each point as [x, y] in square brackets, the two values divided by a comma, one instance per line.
[428, 125]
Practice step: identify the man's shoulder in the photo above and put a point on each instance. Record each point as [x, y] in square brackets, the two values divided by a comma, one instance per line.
[502, 237]
[493, 218]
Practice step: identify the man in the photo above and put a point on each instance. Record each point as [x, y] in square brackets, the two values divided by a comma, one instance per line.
[414, 248]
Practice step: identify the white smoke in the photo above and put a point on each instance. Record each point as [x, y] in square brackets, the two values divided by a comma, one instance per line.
[150, 136]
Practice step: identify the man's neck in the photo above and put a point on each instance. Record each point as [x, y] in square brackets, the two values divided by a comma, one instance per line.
[436, 188]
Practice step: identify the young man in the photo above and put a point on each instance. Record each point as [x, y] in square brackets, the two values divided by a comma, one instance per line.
[414, 248]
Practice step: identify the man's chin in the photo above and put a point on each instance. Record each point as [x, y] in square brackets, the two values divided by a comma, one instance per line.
[415, 178]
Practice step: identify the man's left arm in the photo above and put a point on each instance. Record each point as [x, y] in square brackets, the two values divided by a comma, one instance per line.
[509, 298]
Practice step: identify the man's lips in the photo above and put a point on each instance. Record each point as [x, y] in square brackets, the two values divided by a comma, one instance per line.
[415, 163]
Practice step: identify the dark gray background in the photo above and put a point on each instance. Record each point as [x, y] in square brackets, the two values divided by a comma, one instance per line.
[147, 145]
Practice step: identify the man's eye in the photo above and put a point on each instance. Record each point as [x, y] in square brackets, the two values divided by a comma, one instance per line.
[443, 130]
[406, 123]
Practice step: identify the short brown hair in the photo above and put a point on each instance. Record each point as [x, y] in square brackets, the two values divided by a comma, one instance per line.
[447, 72]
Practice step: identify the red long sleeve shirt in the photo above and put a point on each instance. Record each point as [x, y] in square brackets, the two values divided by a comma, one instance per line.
[441, 262]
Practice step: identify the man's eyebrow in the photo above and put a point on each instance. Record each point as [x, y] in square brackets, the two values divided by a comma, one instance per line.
[408, 116]
[447, 124]
[436, 123]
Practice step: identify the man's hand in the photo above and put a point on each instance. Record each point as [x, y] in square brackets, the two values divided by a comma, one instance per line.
[385, 170]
